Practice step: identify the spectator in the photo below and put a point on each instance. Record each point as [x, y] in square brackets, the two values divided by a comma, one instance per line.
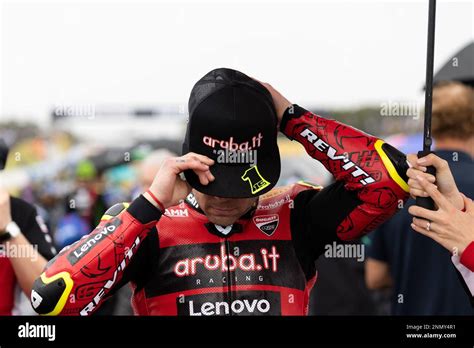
[404, 260]
[25, 247]
[450, 227]
[150, 165]
[88, 200]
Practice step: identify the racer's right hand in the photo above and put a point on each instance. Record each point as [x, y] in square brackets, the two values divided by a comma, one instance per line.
[169, 188]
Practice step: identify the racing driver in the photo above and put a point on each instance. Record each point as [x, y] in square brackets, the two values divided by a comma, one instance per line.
[221, 240]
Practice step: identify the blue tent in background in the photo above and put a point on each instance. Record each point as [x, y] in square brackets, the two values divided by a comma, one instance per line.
[70, 228]
[407, 143]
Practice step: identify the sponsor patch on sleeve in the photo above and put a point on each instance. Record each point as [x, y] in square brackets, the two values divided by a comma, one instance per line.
[87, 243]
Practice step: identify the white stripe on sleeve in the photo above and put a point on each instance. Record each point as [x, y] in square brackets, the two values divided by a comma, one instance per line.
[467, 275]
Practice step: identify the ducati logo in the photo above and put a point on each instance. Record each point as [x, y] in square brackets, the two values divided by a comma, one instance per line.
[266, 223]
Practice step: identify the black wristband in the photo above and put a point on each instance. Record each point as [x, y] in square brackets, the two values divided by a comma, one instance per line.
[144, 211]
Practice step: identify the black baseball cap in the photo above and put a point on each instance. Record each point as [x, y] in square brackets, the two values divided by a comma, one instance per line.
[232, 120]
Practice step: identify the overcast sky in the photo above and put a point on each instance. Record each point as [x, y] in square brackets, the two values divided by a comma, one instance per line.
[318, 53]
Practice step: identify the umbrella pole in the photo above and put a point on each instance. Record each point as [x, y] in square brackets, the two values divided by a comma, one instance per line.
[427, 202]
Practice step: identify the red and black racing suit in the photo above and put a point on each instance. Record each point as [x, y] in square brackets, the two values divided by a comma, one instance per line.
[181, 264]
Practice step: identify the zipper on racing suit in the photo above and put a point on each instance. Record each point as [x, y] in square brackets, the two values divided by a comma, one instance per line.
[229, 278]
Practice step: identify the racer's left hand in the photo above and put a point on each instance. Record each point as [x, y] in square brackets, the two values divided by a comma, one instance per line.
[280, 102]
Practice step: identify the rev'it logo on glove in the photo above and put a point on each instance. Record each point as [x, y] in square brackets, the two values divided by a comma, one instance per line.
[331, 152]
[267, 223]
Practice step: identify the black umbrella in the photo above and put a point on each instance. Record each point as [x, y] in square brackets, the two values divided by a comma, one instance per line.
[427, 202]
[3, 154]
[459, 68]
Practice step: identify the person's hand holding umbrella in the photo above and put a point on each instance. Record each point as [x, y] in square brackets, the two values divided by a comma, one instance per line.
[449, 226]
[443, 178]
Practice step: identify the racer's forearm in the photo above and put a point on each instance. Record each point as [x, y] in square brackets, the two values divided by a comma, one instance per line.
[76, 281]
[367, 165]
